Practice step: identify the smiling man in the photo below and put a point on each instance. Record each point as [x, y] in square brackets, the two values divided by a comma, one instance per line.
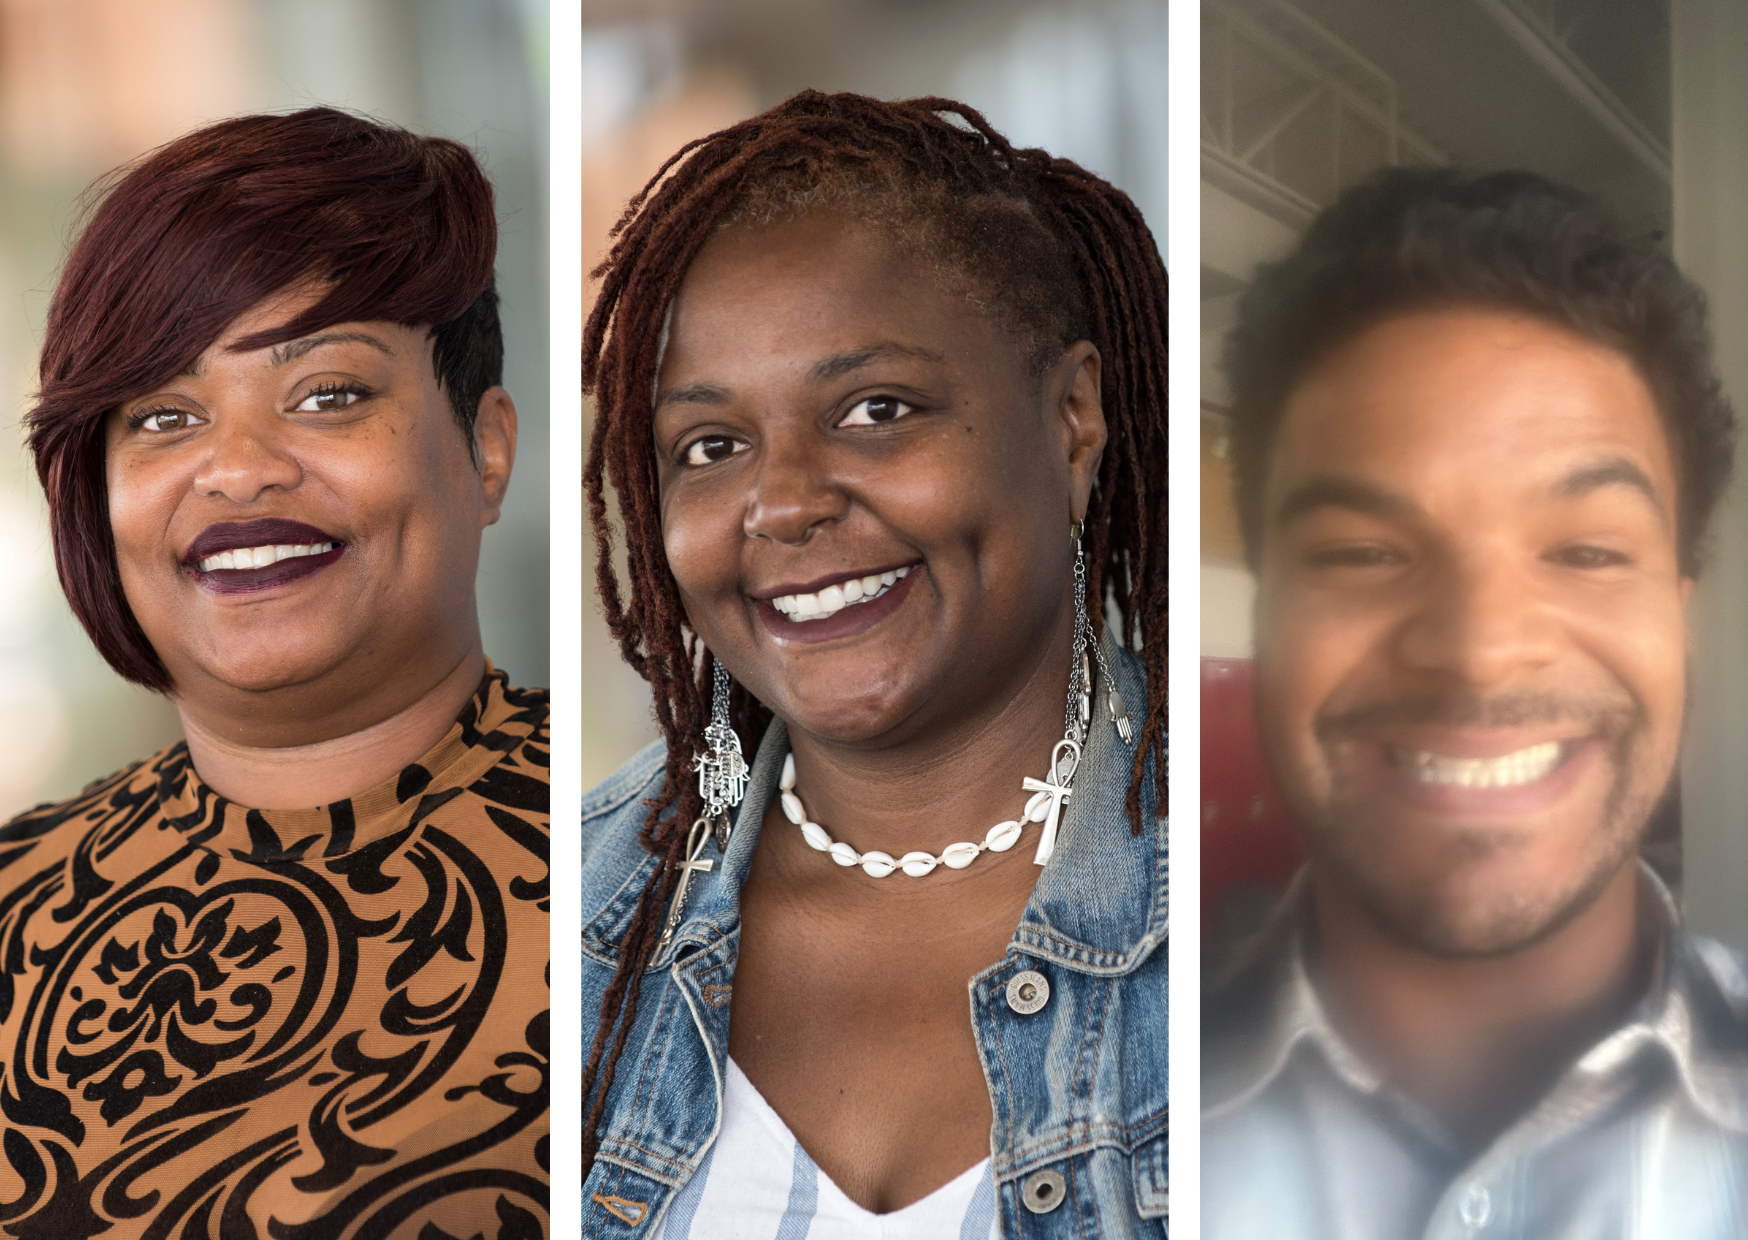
[1478, 440]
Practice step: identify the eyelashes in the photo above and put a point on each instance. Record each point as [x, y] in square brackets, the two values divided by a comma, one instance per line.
[326, 397]
[869, 411]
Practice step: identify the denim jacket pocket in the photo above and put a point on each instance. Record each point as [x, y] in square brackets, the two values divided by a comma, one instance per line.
[1150, 1175]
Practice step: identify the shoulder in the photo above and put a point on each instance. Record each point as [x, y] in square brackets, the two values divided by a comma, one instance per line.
[1717, 977]
[613, 811]
[128, 789]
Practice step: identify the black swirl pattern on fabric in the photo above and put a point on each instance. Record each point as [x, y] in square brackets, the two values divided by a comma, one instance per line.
[218, 1022]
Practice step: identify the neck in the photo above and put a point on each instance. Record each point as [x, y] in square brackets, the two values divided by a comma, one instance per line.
[329, 770]
[1479, 1040]
[948, 783]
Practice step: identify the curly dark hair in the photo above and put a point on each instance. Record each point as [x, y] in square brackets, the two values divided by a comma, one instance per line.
[1051, 252]
[1409, 238]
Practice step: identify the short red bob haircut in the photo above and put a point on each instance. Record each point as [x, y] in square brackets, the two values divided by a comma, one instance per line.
[180, 243]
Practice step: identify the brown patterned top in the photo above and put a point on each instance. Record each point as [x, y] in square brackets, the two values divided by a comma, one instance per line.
[221, 1022]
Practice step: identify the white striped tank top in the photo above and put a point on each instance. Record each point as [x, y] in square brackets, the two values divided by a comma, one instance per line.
[757, 1183]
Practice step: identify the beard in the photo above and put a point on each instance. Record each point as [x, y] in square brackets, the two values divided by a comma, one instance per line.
[1438, 908]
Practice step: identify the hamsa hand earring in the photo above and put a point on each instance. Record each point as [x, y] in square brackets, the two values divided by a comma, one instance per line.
[722, 768]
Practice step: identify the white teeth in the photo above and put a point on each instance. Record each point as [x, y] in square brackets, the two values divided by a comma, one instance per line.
[1507, 771]
[834, 598]
[261, 557]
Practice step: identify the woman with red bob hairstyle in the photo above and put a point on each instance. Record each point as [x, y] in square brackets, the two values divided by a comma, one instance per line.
[286, 977]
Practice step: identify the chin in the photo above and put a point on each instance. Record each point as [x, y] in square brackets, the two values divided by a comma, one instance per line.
[846, 724]
[1484, 897]
[260, 667]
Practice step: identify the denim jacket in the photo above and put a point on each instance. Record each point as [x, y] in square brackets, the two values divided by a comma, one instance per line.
[1077, 1089]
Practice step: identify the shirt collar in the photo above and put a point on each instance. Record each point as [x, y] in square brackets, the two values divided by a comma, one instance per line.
[495, 721]
[1695, 1011]
[1099, 906]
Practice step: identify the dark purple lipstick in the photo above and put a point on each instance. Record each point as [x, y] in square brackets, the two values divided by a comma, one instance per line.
[275, 532]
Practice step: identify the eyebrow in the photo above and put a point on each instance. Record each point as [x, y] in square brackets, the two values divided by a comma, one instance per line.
[294, 349]
[1615, 471]
[1334, 491]
[840, 364]
[822, 371]
[694, 394]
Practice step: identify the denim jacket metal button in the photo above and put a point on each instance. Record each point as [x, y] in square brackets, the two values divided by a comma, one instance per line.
[1077, 1086]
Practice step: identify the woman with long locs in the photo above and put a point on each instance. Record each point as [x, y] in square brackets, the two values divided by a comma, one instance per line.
[874, 937]
[285, 978]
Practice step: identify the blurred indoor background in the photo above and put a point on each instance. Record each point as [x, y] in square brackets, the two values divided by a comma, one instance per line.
[1641, 102]
[86, 85]
[1084, 79]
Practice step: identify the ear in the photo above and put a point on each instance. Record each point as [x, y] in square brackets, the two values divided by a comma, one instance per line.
[494, 448]
[1073, 390]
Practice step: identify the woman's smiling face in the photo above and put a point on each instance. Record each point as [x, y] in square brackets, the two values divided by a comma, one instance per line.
[304, 511]
[865, 490]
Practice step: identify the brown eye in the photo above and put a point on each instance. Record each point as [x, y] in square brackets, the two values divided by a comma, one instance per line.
[162, 420]
[876, 409]
[329, 400]
[712, 448]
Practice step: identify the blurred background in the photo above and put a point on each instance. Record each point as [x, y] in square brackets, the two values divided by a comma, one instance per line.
[1641, 102]
[1084, 79]
[86, 85]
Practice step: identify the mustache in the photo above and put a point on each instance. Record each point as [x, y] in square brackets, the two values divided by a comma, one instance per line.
[1608, 717]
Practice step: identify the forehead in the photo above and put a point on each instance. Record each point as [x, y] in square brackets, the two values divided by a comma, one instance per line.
[809, 286]
[1467, 399]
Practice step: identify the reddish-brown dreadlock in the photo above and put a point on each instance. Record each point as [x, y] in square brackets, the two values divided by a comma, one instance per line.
[1049, 250]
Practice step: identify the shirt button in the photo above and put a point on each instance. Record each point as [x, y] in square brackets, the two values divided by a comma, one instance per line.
[1028, 992]
[1043, 1191]
[1475, 1208]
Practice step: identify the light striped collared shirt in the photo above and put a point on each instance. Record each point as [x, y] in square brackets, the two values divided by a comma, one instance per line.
[1645, 1137]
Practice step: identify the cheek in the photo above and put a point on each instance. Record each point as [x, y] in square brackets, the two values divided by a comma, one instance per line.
[1309, 647]
[701, 537]
[1642, 642]
[405, 477]
[143, 497]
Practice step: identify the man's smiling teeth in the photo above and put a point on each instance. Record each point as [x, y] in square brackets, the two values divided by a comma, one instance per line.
[833, 599]
[261, 557]
[1507, 771]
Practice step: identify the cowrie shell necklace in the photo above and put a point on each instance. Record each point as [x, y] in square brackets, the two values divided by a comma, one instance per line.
[1045, 806]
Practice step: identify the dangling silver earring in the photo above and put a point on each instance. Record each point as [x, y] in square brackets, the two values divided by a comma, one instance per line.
[722, 782]
[1085, 645]
[722, 768]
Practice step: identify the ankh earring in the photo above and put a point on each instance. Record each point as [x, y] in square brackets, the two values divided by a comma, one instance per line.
[722, 782]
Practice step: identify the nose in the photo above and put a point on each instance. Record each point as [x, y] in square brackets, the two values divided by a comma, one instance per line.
[1479, 623]
[794, 493]
[244, 460]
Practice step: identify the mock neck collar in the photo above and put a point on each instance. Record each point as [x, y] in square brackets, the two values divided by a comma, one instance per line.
[494, 721]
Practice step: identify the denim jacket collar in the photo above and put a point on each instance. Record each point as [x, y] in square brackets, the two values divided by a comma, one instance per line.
[1092, 911]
